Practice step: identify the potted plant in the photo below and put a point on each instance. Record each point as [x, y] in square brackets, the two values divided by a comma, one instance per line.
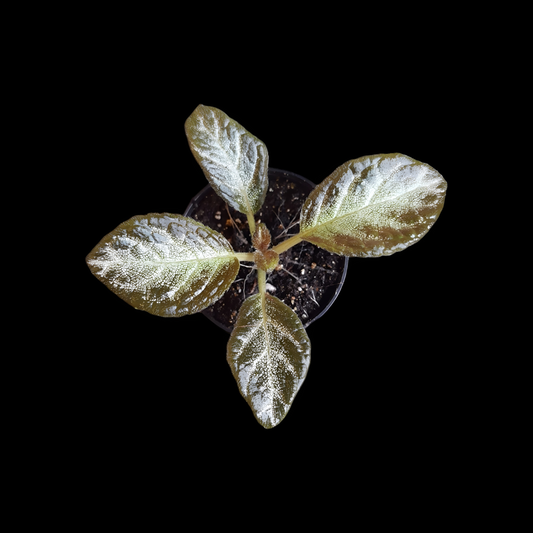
[172, 265]
[308, 278]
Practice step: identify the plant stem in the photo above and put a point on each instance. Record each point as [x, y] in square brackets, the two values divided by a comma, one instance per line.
[243, 256]
[289, 243]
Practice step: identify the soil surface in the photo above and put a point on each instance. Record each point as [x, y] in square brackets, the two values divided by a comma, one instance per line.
[307, 278]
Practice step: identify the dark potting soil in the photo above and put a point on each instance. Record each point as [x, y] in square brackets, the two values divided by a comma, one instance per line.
[307, 278]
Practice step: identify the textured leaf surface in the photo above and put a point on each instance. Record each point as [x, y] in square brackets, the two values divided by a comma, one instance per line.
[168, 265]
[372, 206]
[269, 354]
[233, 160]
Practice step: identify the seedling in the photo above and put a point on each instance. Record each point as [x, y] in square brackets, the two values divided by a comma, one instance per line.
[171, 265]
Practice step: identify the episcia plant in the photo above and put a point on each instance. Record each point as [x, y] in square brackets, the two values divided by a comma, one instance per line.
[171, 265]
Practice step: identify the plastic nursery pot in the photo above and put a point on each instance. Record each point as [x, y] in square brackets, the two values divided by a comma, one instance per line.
[307, 278]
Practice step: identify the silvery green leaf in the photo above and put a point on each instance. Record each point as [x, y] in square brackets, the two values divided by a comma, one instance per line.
[168, 265]
[269, 353]
[372, 206]
[234, 161]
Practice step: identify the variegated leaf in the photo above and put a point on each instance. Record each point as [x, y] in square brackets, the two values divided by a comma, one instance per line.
[168, 265]
[234, 161]
[269, 353]
[373, 206]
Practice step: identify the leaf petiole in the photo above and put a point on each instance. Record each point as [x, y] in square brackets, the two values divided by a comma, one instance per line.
[289, 243]
[244, 256]
[251, 222]
[261, 281]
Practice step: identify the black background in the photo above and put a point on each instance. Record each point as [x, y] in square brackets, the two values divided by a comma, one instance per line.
[140, 393]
